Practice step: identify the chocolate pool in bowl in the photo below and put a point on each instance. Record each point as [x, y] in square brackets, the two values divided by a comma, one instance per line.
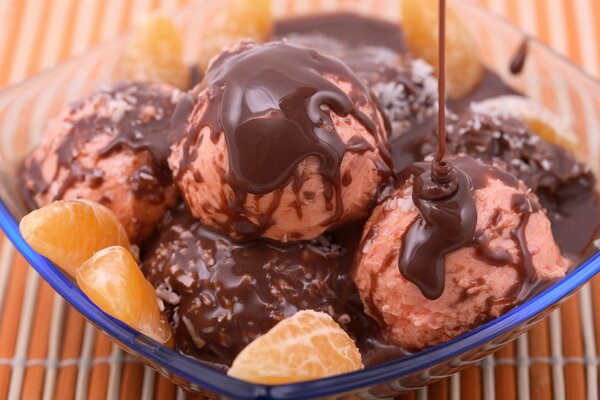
[413, 363]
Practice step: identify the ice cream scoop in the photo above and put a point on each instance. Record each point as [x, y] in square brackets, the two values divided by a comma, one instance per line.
[221, 295]
[509, 255]
[110, 147]
[283, 142]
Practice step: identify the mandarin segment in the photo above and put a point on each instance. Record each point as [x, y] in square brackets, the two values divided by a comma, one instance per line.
[463, 65]
[549, 126]
[241, 19]
[308, 345]
[70, 232]
[155, 53]
[113, 281]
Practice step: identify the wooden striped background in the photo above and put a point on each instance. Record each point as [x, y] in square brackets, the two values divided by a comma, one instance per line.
[47, 350]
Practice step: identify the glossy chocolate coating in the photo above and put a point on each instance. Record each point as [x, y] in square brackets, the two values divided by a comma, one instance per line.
[221, 295]
[274, 103]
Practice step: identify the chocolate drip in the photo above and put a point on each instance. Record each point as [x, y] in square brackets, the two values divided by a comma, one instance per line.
[441, 173]
[442, 182]
[446, 223]
[528, 283]
[522, 205]
[448, 215]
[518, 61]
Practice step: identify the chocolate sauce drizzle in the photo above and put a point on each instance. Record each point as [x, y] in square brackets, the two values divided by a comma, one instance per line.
[446, 224]
[522, 204]
[443, 196]
[274, 104]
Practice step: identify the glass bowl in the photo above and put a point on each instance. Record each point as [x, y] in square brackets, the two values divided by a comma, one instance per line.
[547, 78]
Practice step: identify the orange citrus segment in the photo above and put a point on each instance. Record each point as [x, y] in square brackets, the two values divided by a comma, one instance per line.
[70, 232]
[308, 345]
[112, 280]
[241, 19]
[420, 25]
[540, 120]
[155, 54]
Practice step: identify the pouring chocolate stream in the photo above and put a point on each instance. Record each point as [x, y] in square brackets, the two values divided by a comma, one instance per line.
[443, 195]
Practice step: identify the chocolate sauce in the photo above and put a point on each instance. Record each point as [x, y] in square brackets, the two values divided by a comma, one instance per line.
[274, 104]
[522, 204]
[439, 173]
[447, 222]
[518, 61]
[221, 295]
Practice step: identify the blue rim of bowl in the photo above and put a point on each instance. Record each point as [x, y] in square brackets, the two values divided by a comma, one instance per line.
[213, 380]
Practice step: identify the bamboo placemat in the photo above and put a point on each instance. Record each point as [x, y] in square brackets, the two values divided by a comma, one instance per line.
[47, 350]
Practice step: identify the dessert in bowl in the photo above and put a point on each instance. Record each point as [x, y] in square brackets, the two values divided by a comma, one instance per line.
[266, 230]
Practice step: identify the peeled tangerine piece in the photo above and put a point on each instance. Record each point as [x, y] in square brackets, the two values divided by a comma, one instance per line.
[308, 345]
[240, 19]
[540, 120]
[113, 281]
[463, 65]
[70, 232]
[155, 53]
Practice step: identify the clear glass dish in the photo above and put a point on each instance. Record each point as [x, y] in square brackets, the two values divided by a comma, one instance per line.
[548, 78]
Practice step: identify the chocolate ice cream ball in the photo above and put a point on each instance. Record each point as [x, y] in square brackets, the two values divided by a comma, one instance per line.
[423, 285]
[110, 147]
[221, 295]
[283, 143]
